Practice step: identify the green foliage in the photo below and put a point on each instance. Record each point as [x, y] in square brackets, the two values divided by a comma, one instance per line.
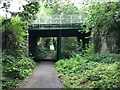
[61, 8]
[69, 45]
[13, 33]
[15, 69]
[1, 19]
[16, 66]
[90, 71]
[43, 50]
[29, 12]
[104, 16]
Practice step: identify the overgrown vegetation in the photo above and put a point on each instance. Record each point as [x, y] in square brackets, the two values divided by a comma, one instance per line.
[69, 45]
[90, 71]
[15, 69]
[104, 19]
[16, 65]
[43, 47]
[13, 35]
[96, 70]
[84, 70]
[29, 12]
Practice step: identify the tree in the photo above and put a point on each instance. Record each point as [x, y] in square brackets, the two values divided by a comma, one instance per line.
[59, 7]
[14, 30]
[104, 18]
[30, 11]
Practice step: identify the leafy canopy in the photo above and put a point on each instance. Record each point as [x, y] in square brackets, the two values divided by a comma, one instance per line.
[29, 12]
[58, 7]
[104, 16]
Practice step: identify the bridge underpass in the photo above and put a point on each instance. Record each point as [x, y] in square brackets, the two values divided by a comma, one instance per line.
[59, 29]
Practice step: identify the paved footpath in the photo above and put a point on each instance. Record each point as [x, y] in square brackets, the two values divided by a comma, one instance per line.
[43, 76]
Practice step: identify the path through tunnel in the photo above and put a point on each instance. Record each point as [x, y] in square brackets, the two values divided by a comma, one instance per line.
[46, 48]
[35, 34]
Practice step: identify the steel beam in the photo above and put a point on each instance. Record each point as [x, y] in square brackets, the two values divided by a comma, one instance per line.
[59, 46]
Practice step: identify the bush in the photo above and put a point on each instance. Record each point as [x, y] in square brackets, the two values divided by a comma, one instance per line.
[13, 36]
[69, 45]
[43, 50]
[15, 65]
[41, 53]
[90, 71]
[15, 69]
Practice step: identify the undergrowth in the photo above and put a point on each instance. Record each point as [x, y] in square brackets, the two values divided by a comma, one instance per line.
[42, 53]
[15, 69]
[90, 71]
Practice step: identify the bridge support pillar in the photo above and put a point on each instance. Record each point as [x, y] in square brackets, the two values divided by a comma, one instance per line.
[59, 46]
[78, 40]
[32, 45]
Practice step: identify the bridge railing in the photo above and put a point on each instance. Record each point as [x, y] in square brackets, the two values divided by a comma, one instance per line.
[59, 19]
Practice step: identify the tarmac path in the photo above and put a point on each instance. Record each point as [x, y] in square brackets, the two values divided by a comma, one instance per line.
[43, 76]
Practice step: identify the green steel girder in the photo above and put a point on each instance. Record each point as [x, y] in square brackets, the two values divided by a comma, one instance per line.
[53, 30]
[59, 46]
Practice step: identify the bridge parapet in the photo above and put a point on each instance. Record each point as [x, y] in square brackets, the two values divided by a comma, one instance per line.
[59, 19]
[55, 21]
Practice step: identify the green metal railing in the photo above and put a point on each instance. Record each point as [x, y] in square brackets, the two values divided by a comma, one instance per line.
[59, 19]
[55, 21]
